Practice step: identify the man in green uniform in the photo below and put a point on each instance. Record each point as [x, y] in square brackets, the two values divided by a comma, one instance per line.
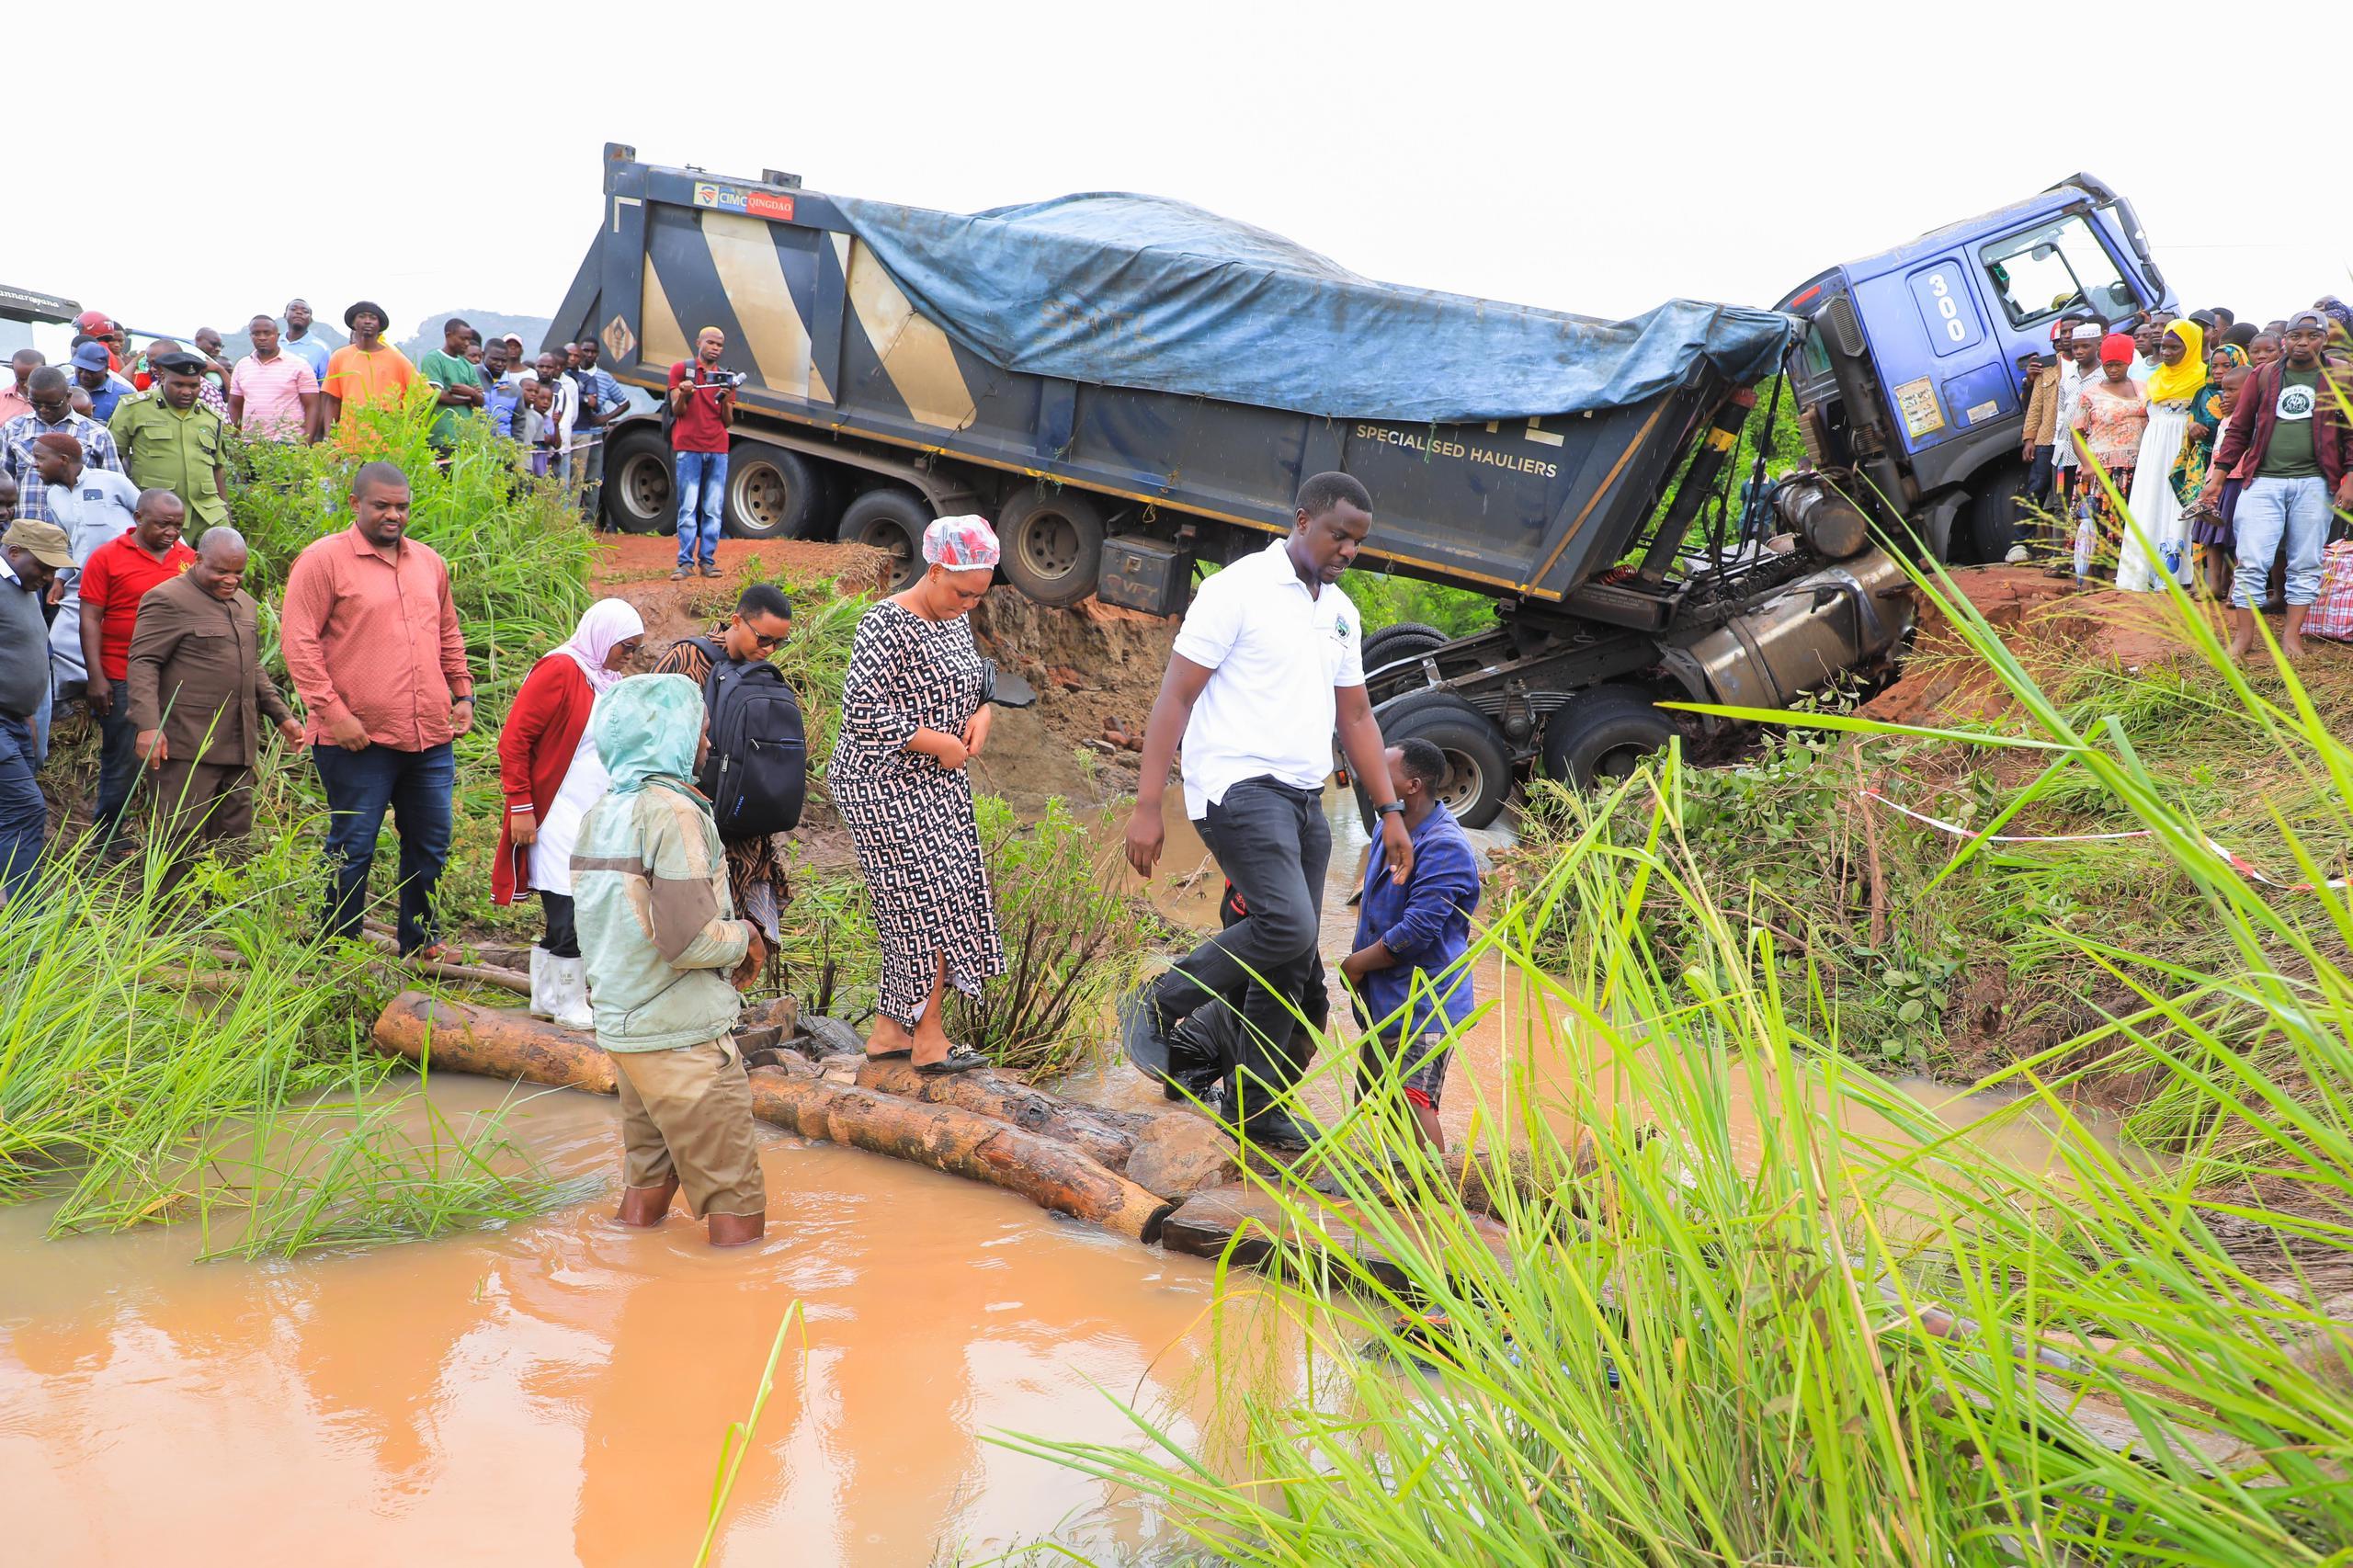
[170, 441]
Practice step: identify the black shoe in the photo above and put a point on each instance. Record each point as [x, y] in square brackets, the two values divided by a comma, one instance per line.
[1277, 1133]
[1143, 1033]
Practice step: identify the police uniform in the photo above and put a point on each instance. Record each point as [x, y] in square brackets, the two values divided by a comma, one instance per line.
[168, 449]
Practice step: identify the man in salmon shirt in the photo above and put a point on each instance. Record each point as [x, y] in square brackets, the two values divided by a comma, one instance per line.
[369, 633]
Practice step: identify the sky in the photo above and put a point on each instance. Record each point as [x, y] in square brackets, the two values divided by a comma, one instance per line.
[438, 157]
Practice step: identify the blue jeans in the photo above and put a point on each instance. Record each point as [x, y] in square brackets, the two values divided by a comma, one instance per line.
[699, 475]
[359, 785]
[40, 723]
[118, 761]
[2270, 510]
[24, 815]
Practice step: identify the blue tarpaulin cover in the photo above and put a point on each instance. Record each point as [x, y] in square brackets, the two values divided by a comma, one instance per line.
[1141, 291]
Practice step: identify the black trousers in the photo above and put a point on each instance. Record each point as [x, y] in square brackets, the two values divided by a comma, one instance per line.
[1272, 843]
[562, 939]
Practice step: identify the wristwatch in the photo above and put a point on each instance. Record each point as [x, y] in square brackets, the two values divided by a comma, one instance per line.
[1385, 807]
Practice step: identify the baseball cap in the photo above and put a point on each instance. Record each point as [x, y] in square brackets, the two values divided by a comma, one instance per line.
[45, 543]
[2307, 321]
[91, 356]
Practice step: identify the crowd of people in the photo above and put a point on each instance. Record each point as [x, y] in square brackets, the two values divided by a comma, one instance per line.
[167, 409]
[2227, 444]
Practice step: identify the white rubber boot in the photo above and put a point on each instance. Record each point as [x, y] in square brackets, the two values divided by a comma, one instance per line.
[571, 993]
[543, 982]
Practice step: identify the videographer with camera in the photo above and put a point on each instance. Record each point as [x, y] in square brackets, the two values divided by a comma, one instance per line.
[702, 403]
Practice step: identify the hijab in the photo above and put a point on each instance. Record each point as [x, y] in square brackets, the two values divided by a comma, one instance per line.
[607, 621]
[648, 727]
[2180, 383]
[2230, 356]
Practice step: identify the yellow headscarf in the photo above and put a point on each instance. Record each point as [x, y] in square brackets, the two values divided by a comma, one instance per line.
[2180, 383]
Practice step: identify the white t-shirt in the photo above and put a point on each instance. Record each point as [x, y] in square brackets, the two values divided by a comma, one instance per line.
[1276, 653]
[2071, 391]
[95, 509]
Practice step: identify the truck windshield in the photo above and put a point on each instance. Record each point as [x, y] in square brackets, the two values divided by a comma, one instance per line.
[2056, 267]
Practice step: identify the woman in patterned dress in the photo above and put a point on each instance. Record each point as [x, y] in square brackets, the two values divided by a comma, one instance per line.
[915, 709]
[2110, 416]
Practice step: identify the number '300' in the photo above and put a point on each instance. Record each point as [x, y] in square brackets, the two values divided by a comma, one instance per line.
[1947, 307]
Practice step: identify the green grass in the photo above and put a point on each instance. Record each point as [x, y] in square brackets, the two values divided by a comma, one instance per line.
[1797, 1339]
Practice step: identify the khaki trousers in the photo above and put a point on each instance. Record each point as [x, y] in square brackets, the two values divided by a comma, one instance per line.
[687, 1113]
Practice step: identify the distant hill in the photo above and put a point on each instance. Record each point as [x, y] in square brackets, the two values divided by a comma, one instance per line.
[427, 336]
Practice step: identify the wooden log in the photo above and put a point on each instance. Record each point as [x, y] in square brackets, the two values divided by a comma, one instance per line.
[1107, 1136]
[467, 973]
[496, 1044]
[1057, 1175]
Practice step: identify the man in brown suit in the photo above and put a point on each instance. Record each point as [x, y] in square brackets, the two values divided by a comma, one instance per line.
[198, 693]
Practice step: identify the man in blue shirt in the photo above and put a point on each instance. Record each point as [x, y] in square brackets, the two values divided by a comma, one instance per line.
[1410, 984]
[503, 398]
[90, 373]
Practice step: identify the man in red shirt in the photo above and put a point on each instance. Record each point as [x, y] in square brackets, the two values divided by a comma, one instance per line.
[371, 636]
[702, 402]
[119, 575]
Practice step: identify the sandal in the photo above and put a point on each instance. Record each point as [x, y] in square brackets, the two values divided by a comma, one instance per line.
[712, 572]
[679, 574]
[959, 1059]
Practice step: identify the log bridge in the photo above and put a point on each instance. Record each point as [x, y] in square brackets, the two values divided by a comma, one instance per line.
[984, 1125]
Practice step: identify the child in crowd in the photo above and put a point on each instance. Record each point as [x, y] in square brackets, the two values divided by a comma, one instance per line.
[1409, 977]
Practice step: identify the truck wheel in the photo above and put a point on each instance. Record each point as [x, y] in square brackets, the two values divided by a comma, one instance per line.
[638, 497]
[1406, 640]
[891, 519]
[1053, 543]
[1478, 763]
[1601, 735]
[772, 493]
[1993, 512]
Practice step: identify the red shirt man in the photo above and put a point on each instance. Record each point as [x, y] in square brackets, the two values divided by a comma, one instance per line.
[119, 575]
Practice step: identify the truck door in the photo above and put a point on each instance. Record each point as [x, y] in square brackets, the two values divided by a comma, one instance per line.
[1937, 356]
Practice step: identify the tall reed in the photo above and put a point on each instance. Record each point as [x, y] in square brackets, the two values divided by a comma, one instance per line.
[1747, 1304]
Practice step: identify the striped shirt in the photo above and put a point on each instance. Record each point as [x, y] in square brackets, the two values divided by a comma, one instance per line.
[272, 391]
[99, 450]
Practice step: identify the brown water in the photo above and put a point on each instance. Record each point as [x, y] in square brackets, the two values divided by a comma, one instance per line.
[558, 1392]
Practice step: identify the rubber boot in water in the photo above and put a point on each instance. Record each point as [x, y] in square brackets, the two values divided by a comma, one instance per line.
[737, 1229]
[543, 983]
[644, 1208]
[569, 993]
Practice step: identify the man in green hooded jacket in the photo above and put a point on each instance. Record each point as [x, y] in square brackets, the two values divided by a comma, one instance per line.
[665, 956]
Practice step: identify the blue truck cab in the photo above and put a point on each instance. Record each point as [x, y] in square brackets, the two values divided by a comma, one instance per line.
[1908, 377]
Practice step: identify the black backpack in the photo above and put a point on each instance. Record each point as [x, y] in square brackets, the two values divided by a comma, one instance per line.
[757, 773]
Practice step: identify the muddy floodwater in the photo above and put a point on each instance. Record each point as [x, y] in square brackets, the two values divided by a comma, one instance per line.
[557, 1390]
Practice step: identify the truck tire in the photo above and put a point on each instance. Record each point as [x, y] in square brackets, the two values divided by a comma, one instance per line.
[1993, 513]
[1406, 640]
[1478, 762]
[637, 492]
[1601, 735]
[772, 493]
[1052, 539]
[892, 519]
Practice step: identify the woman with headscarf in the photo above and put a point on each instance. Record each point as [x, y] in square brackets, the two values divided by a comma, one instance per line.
[2110, 416]
[665, 958]
[2210, 528]
[915, 711]
[550, 774]
[2172, 437]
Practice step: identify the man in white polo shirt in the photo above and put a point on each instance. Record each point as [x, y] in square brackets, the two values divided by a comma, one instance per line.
[1268, 664]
